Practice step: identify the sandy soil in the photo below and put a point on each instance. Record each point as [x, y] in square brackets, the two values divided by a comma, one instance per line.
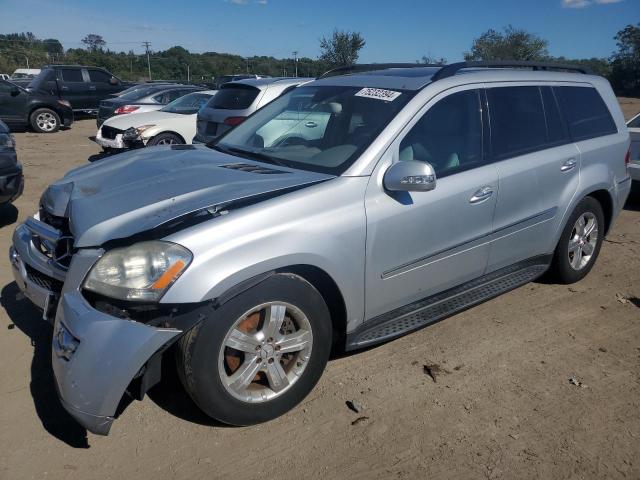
[501, 405]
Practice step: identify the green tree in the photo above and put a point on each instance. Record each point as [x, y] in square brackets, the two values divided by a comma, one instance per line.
[341, 49]
[94, 42]
[511, 44]
[431, 60]
[625, 62]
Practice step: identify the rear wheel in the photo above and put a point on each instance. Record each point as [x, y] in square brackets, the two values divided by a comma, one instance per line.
[580, 242]
[45, 120]
[261, 352]
[166, 139]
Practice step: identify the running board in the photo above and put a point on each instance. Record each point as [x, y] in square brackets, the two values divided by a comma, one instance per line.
[437, 307]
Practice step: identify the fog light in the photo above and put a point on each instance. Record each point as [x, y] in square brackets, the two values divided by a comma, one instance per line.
[64, 343]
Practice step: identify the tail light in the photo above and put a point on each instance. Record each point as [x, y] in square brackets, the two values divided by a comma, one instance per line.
[233, 121]
[126, 109]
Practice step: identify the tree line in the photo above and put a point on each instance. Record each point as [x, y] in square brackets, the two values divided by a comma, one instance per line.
[340, 48]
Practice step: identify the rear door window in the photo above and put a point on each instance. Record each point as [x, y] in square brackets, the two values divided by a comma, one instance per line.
[72, 75]
[234, 97]
[98, 76]
[518, 124]
[557, 133]
[586, 113]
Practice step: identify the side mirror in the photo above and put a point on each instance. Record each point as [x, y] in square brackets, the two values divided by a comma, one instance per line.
[114, 81]
[15, 92]
[410, 176]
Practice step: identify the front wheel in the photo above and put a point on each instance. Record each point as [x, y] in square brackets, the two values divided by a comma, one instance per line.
[166, 139]
[580, 242]
[45, 120]
[260, 353]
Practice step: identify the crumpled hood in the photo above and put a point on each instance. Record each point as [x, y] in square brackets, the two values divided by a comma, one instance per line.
[135, 191]
[123, 122]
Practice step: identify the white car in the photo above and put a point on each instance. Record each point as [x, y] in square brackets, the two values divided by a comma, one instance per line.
[634, 131]
[173, 124]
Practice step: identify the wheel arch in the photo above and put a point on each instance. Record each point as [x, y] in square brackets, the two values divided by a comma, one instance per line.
[605, 200]
[37, 106]
[319, 279]
[163, 132]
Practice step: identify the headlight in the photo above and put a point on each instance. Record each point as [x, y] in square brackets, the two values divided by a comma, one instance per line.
[133, 133]
[142, 272]
[7, 140]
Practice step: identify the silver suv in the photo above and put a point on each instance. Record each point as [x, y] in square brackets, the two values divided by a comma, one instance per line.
[347, 212]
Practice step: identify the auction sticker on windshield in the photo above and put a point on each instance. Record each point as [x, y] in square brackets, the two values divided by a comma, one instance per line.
[378, 94]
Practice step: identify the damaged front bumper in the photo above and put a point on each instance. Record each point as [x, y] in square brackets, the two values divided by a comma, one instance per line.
[95, 356]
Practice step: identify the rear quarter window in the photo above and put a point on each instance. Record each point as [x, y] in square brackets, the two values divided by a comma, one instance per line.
[586, 113]
[236, 97]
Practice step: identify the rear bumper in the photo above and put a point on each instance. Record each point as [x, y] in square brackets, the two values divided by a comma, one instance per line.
[634, 170]
[11, 184]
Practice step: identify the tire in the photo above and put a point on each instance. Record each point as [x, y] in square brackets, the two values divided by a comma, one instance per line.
[568, 267]
[207, 365]
[165, 139]
[44, 120]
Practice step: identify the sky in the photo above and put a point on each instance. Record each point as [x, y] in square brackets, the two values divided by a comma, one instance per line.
[395, 31]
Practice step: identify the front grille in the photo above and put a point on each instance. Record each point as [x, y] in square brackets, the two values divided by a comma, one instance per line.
[42, 280]
[110, 132]
[63, 250]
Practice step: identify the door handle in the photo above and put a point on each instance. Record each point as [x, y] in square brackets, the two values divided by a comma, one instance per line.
[481, 195]
[92, 88]
[64, 88]
[311, 124]
[569, 165]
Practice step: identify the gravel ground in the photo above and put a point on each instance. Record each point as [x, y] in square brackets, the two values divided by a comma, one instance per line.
[497, 403]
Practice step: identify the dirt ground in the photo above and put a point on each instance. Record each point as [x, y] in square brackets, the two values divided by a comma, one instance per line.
[501, 404]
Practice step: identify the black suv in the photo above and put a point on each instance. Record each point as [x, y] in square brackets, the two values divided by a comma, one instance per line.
[83, 87]
[11, 179]
[45, 113]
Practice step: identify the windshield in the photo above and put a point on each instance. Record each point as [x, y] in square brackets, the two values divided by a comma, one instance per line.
[188, 104]
[318, 128]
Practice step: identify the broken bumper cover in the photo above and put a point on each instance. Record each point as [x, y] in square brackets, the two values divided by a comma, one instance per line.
[95, 356]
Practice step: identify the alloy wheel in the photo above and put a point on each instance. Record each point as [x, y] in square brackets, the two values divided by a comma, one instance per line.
[583, 241]
[265, 352]
[46, 121]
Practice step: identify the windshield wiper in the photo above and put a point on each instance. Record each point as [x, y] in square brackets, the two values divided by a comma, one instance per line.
[255, 155]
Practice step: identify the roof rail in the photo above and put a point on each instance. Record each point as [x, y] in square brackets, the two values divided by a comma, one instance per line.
[370, 67]
[451, 70]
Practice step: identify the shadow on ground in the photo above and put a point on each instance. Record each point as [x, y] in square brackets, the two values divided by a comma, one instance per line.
[171, 396]
[633, 202]
[53, 416]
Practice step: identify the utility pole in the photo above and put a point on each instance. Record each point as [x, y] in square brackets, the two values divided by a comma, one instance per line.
[247, 59]
[27, 61]
[188, 73]
[295, 60]
[146, 45]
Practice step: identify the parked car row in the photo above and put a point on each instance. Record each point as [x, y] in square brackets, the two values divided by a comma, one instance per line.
[138, 118]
